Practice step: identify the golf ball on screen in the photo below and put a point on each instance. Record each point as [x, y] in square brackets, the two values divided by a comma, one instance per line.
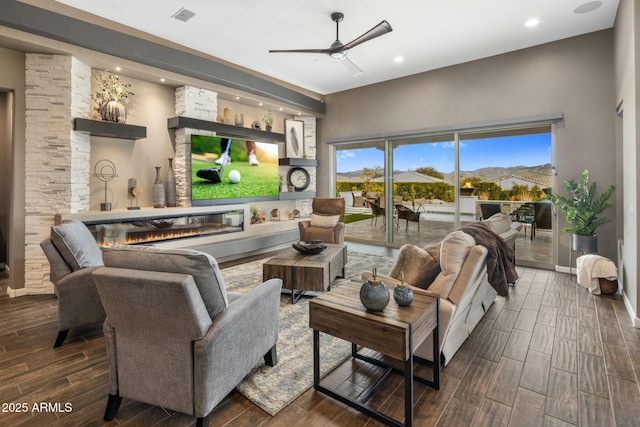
[234, 176]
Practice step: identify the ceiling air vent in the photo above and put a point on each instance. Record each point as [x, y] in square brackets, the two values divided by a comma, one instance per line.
[183, 15]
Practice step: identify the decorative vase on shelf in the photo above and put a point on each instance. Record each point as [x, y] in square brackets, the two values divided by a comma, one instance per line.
[239, 119]
[403, 294]
[113, 111]
[158, 191]
[374, 294]
[170, 186]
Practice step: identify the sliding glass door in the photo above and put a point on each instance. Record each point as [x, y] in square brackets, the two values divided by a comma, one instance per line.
[418, 189]
[423, 189]
[360, 181]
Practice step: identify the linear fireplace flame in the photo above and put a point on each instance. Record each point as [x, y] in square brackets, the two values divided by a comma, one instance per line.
[150, 230]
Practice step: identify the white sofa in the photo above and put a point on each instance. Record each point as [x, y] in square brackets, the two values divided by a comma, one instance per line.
[461, 283]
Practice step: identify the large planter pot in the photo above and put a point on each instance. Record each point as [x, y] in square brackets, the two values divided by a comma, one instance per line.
[584, 244]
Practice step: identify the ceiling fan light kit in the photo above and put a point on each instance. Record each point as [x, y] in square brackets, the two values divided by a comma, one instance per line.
[338, 50]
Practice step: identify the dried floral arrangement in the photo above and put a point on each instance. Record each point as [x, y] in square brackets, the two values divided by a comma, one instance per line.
[111, 88]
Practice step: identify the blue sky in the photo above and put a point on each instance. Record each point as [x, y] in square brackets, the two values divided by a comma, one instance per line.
[527, 150]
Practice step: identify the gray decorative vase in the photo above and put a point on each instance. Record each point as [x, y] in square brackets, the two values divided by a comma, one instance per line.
[403, 294]
[584, 244]
[158, 191]
[374, 294]
[170, 186]
[113, 111]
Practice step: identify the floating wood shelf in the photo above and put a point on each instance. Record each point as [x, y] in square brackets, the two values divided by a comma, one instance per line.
[221, 129]
[109, 129]
[296, 195]
[290, 161]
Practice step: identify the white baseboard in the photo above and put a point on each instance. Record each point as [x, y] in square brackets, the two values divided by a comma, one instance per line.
[565, 269]
[14, 293]
[635, 321]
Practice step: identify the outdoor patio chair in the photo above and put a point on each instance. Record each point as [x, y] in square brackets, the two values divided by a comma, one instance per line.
[489, 209]
[542, 214]
[408, 215]
[376, 211]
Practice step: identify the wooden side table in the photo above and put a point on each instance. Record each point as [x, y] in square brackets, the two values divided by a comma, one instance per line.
[395, 332]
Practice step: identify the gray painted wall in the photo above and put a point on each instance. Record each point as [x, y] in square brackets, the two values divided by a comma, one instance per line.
[573, 77]
[6, 138]
[12, 77]
[627, 58]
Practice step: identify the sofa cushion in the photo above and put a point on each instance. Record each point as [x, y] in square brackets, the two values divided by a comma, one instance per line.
[77, 245]
[201, 266]
[324, 221]
[498, 223]
[419, 266]
[453, 252]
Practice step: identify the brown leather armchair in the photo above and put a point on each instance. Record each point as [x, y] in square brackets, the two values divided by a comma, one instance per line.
[322, 225]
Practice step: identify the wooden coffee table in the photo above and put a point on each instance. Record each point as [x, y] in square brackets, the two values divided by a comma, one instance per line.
[395, 332]
[306, 272]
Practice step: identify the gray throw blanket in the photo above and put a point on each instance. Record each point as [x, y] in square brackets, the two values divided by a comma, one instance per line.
[501, 269]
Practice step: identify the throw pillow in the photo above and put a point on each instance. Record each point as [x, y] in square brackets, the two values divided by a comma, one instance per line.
[453, 253]
[419, 266]
[77, 245]
[498, 223]
[324, 221]
[201, 266]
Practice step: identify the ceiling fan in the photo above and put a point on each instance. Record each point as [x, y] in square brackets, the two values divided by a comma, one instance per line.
[339, 50]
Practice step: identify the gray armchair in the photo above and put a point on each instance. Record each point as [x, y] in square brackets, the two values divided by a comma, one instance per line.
[175, 338]
[73, 255]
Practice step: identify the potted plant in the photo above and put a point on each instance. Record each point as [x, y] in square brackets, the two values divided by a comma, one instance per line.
[268, 120]
[110, 95]
[583, 208]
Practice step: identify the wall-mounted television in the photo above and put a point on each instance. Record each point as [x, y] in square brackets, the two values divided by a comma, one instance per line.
[213, 162]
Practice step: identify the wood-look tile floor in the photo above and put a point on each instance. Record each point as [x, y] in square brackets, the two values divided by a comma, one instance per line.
[550, 354]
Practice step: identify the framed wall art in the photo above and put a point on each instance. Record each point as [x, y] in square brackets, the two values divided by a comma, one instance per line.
[294, 133]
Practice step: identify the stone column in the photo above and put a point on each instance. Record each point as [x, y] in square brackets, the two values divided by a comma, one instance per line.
[198, 104]
[57, 170]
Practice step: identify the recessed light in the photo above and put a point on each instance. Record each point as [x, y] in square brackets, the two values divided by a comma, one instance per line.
[587, 7]
[118, 68]
[260, 104]
[531, 23]
[281, 108]
[237, 98]
[398, 59]
[162, 80]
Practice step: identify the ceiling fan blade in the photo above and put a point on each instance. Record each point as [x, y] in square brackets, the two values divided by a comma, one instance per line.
[298, 51]
[382, 28]
[353, 68]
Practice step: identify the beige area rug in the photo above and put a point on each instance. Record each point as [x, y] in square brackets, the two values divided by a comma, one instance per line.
[273, 388]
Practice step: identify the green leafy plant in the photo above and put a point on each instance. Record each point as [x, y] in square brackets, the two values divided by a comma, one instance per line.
[268, 118]
[582, 206]
[111, 88]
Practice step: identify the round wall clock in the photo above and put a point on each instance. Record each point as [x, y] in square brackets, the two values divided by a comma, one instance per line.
[298, 178]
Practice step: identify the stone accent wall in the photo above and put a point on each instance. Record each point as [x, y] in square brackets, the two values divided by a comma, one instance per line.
[199, 104]
[57, 170]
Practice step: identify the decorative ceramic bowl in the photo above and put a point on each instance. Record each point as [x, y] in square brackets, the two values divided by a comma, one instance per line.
[310, 248]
